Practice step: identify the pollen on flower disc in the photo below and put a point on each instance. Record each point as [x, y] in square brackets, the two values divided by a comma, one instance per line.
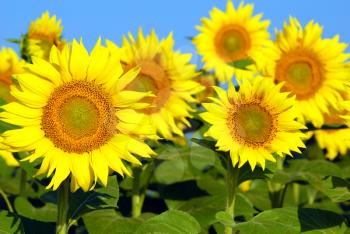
[302, 73]
[232, 43]
[251, 124]
[79, 117]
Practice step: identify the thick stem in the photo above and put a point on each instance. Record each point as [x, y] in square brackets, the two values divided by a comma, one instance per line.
[22, 186]
[231, 181]
[8, 203]
[137, 200]
[63, 195]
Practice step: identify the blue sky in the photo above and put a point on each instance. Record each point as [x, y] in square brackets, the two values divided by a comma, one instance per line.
[112, 19]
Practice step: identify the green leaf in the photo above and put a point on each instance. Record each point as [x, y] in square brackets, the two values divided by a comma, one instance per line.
[262, 200]
[320, 221]
[205, 143]
[12, 40]
[242, 64]
[100, 198]
[9, 223]
[224, 218]
[110, 221]
[306, 170]
[205, 208]
[46, 213]
[292, 220]
[172, 171]
[246, 173]
[170, 222]
[337, 189]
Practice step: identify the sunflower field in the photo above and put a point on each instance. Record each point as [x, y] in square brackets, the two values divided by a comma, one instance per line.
[135, 138]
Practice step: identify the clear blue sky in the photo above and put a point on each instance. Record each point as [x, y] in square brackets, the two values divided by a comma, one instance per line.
[112, 19]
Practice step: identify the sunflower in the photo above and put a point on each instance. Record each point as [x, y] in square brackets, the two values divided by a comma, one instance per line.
[232, 36]
[313, 69]
[165, 72]
[75, 115]
[254, 122]
[9, 65]
[207, 81]
[336, 141]
[43, 34]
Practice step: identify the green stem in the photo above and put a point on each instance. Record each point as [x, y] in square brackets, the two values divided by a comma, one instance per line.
[63, 195]
[8, 203]
[137, 199]
[231, 181]
[22, 187]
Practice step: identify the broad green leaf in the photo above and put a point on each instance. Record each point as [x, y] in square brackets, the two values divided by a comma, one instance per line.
[110, 221]
[224, 218]
[242, 64]
[293, 220]
[205, 208]
[172, 171]
[46, 213]
[337, 189]
[170, 222]
[246, 173]
[100, 198]
[9, 223]
[304, 170]
[205, 143]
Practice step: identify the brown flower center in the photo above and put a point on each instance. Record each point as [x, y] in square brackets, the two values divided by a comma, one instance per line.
[252, 125]
[152, 77]
[302, 73]
[79, 117]
[232, 43]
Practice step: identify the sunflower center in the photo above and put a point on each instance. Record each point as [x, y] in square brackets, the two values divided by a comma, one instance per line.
[232, 43]
[79, 117]
[152, 77]
[301, 72]
[252, 124]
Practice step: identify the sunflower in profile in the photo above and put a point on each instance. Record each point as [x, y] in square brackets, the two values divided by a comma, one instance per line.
[207, 81]
[42, 35]
[9, 65]
[165, 72]
[254, 122]
[336, 141]
[313, 69]
[231, 36]
[75, 115]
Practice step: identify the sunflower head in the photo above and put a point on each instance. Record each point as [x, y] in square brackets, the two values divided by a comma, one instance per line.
[76, 116]
[207, 81]
[167, 74]
[253, 122]
[9, 65]
[230, 36]
[311, 68]
[336, 141]
[43, 34]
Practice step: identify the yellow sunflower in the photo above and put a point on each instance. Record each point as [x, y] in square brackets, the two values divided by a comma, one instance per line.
[75, 114]
[9, 65]
[232, 36]
[207, 81]
[336, 141]
[165, 72]
[254, 122]
[313, 69]
[43, 34]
